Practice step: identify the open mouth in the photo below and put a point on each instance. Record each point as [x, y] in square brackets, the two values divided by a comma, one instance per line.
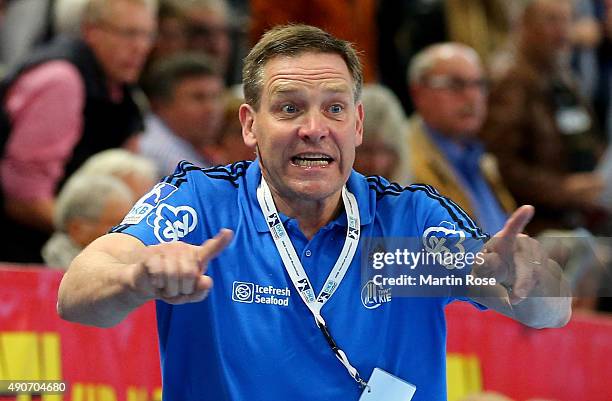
[312, 160]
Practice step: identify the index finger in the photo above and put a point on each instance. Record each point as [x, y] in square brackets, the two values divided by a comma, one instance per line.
[212, 247]
[517, 222]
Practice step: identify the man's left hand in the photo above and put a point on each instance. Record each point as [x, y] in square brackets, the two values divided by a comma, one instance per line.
[513, 258]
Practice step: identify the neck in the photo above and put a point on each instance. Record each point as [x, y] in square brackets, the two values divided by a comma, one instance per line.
[310, 214]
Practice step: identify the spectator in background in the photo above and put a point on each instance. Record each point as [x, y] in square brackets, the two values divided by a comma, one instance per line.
[137, 172]
[542, 132]
[186, 95]
[384, 150]
[25, 24]
[449, 89]
[209, 30]
[230, 146]
[95, 198]
[171, 31]
[210, 27]
[405, 27]
[586, 35]
[73, 97]
[86, 208]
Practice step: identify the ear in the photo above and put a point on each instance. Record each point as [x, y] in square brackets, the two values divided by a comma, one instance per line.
[359, 124]
[247, 114]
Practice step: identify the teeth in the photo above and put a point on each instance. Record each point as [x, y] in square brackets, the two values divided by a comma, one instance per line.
[310, 163]
[311, 160]
[312, 156]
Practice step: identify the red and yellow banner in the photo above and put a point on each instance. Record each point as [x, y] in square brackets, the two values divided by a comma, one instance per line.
[121, 363]
[485, 350]
[573, 363]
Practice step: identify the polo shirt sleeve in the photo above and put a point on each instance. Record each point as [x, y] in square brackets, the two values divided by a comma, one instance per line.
[440, 217]
[167, 213]
[45, 106]
[447, 230]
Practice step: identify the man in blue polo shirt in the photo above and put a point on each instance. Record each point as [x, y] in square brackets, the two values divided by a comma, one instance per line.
[289, 317]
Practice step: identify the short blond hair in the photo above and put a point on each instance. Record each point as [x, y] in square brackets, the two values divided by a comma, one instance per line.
[294, 40]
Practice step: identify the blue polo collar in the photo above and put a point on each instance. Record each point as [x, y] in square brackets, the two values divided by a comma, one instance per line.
[356, 184]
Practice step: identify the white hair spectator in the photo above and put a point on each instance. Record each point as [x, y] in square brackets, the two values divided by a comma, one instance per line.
[385, 121]
[425, 60]
[85, 196]
[120, 163]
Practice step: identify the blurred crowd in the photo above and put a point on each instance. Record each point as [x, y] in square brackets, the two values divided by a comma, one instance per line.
[494, 103]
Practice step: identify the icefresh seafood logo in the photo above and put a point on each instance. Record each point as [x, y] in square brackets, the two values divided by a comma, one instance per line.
[173, 223]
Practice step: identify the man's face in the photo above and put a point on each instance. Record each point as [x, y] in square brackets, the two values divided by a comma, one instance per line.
[171, 38]
[208, 31]
[452, 96]
[548, 27]
[122, 40]
[307, 125]
[195, 111]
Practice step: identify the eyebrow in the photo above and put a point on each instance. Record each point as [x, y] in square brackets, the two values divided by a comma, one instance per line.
[282, 89]
[337, 87]
[288, 88]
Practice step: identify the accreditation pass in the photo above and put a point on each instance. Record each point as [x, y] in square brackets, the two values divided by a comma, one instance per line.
[383, 386]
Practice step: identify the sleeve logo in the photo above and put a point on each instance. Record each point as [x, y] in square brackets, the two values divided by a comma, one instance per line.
[148, 202]
[444, 239]
[173, 223]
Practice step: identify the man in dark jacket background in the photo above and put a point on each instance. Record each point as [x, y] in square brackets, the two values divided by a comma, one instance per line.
[65, 102]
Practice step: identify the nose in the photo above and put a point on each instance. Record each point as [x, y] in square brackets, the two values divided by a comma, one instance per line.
[143, 45]
[141, 42]
[474, 93]
[313, 127]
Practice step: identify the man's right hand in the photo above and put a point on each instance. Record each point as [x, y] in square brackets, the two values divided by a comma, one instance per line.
[175, 272]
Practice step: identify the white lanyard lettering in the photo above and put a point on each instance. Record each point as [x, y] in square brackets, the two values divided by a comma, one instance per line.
[296, 271]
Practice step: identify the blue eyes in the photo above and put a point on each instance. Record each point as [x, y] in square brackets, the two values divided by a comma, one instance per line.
[335, 109]
[292, 109]
[289, 108]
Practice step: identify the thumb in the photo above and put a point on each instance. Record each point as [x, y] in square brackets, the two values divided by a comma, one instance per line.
[212, 247]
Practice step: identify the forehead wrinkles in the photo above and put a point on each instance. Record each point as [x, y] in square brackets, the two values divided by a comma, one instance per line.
[293, 77]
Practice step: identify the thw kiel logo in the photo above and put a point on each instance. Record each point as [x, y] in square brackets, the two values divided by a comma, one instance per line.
[302, 285]
[324, 296]
[273, 220]
[304, 288]
[353, 232]
[372, 295]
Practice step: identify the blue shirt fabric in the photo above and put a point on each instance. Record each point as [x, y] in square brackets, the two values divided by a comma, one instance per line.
[465, 159]
[230, 347]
